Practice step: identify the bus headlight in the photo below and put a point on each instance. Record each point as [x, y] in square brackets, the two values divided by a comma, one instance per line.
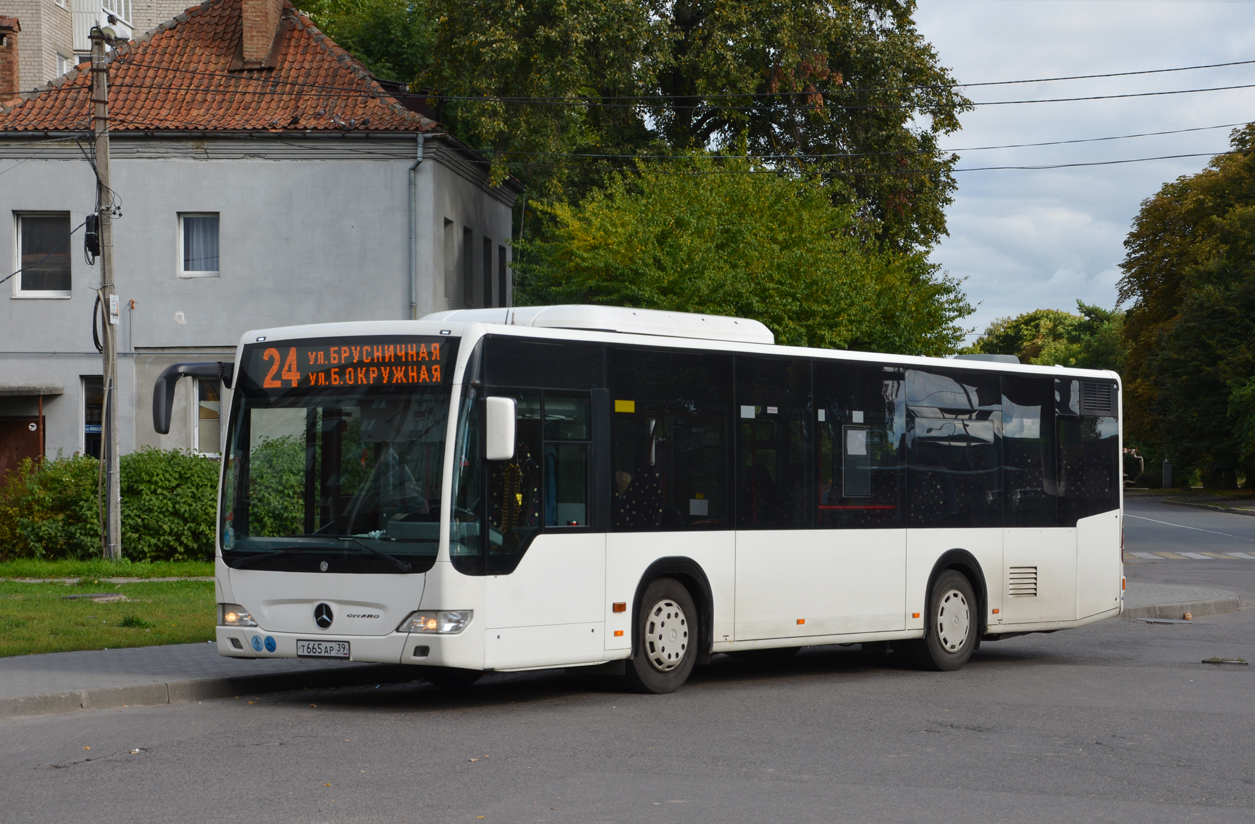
[234, 615]
[437, 623]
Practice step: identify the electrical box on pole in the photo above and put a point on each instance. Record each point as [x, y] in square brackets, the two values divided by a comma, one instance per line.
[112, 505]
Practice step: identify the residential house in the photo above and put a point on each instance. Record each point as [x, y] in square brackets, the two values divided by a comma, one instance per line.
[262, 178]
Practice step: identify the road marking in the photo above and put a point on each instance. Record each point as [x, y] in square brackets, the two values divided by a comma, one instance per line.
[1244, 555]
[1172, 556]
[1197, 556]
[1150, 556]
[1194, 528]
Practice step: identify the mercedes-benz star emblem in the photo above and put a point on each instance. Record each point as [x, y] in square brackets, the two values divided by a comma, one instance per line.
[322, 616]
[323, 566]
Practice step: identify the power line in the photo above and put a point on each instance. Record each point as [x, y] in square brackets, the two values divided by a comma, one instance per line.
[720, 95]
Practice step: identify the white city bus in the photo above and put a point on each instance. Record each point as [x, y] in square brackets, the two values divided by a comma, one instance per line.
[575, 486]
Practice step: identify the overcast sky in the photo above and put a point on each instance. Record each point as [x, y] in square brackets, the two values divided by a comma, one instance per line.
[1026, 240]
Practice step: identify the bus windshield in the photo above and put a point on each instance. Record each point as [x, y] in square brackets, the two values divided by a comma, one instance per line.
[334, 455]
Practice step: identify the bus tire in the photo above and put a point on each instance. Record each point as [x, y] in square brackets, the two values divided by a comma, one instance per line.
[952, 626]
[666, 639]
[451, 677]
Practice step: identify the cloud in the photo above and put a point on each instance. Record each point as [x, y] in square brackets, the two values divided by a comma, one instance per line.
[1025, 240]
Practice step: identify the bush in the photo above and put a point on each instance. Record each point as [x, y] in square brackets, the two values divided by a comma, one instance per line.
[168, 505]
[48, 508]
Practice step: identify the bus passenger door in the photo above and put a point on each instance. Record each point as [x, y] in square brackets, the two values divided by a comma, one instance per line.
[547, 535]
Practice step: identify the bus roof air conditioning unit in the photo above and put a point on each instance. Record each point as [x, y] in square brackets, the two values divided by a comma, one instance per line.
[618, 319]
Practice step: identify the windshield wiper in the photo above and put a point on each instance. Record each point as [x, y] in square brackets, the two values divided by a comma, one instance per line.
[265, 556]
[403, 566]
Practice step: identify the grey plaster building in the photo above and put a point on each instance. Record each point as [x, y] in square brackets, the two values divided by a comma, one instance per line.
[263, 178]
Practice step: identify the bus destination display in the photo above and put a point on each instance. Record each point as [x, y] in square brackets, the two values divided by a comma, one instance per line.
[345, 362]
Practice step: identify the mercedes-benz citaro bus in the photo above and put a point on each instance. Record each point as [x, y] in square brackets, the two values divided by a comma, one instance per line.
[636, 491]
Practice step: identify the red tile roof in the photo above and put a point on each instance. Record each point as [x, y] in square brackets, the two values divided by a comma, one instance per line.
[184, 76]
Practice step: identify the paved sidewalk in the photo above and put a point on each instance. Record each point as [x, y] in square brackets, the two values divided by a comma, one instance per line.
[99, 679]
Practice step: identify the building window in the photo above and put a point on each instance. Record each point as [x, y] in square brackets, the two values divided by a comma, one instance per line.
[503, 292]
[64, 64]
[93, 414]
[207, 425]
[468, 268]
[198, 245]
[43, 242]
[488, 299]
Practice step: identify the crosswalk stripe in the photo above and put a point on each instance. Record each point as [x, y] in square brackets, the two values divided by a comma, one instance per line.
[1244, 555]
[1197, 556]
[1172, 556]
[1150, 556]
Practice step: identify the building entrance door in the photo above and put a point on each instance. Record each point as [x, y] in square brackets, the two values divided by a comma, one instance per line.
[19, 438]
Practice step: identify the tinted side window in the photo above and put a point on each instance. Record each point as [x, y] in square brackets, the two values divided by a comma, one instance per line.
[548, 364]
[1029, 488]
[773, 435]
[861, 445]
[1089, 467]
[955, 449]
[670, 439]
[514, 487]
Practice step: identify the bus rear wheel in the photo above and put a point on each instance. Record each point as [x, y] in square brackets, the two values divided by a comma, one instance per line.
[666, 639]
[952, 625]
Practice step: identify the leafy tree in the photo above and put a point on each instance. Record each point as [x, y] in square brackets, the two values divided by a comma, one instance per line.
[392, 38]
[700, 236]
[561, 92]
[1092, 339]
[1190, 272]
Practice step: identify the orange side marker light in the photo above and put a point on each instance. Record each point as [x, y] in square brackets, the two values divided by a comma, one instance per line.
[914, 614]
[618, 633]
[801, 621]
[619, 606]
[996, 611]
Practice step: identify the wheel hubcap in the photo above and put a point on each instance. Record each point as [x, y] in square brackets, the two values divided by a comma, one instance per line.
[954, 621]
[666, 635]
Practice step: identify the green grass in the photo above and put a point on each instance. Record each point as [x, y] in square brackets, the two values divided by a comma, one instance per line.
[105, 569]
[38, 618]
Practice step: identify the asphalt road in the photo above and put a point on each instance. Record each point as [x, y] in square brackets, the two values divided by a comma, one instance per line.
[1116, 722]
[1151, 526]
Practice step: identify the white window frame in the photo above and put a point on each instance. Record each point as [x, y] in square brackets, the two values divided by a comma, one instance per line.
[38, 294]
[64, 63]
[184, 273]
[195, 411]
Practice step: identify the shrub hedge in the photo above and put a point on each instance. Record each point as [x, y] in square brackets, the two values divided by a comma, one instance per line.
[48, 508]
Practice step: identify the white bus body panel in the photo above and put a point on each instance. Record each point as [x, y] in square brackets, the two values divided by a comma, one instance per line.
[550, 611]
[1099, 564]
[1050, 553]
[834, 581]
[629, 554]
[925, 546]
[285, 601]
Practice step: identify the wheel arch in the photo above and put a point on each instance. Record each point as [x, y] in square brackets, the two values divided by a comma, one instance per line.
[965, 562]
[691, 575]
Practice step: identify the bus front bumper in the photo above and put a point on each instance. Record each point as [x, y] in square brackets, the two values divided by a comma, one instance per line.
[464, 650]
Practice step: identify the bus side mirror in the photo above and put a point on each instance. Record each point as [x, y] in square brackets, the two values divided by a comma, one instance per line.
[499, 429]
[163, 391]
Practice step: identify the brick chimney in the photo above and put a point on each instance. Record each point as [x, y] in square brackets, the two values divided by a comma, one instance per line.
[10, 85]
[261, 25]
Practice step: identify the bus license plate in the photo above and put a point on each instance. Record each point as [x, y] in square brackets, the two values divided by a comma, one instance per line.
[322, 649]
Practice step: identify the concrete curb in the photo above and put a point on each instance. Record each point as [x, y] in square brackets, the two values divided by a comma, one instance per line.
[201, 689]
[1213, 507]
[1177, 609]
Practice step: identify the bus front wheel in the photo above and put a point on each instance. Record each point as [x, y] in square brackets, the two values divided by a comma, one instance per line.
[666, 638]
[952, 627]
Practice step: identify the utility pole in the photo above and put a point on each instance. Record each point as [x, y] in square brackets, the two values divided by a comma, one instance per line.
[108, 300]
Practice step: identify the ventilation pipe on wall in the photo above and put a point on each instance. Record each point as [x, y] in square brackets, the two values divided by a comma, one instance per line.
[418, 161]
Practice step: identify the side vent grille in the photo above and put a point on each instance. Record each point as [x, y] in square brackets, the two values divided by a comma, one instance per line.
[1097, 398]
[1022, 582]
